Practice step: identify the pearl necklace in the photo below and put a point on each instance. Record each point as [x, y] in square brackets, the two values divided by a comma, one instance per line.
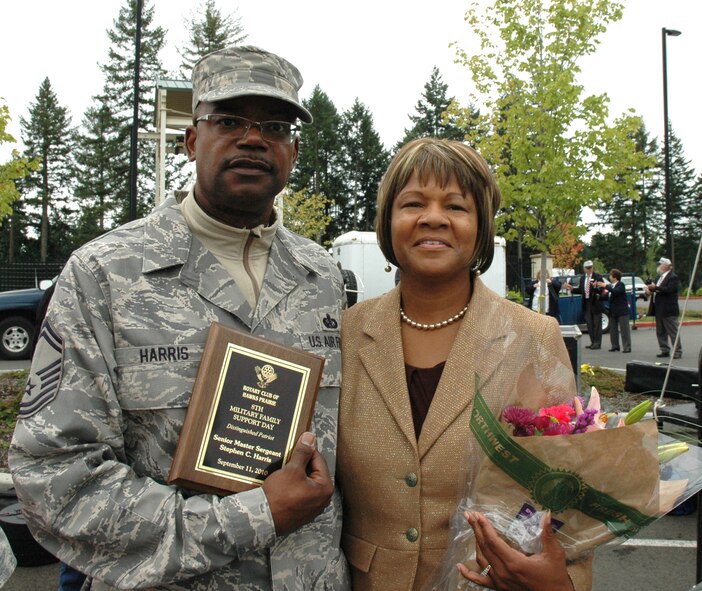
[432, 325]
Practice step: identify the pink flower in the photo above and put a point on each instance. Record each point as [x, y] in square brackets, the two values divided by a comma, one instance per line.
[521, 419]
[561, 419]
[594, 401]
[561, 413]
[543, 422]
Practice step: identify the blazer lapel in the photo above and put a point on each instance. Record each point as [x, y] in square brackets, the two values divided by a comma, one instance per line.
[479, 347]
[384, 363]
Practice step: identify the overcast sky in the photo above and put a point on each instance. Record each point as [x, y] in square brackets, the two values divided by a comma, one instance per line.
[381, 51]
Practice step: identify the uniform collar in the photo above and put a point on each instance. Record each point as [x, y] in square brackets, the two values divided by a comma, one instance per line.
[168, 241]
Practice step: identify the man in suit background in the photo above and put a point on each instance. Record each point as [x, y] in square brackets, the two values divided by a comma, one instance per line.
[664, 306]
[618, 313]
[590, 286]
[550, 305]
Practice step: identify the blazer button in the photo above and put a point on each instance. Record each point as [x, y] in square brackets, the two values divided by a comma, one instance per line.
[411, 479]
[412, 534]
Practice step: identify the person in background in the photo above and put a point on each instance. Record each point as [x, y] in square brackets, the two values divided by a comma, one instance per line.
[551, 305]
[410, 358]
[618, 312]
[589, 288]
[117, 356]
[664, 307]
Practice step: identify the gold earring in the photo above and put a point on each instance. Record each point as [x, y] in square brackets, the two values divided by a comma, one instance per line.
[388, 268]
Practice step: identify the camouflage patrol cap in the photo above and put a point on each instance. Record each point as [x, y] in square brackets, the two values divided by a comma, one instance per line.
[247, 71]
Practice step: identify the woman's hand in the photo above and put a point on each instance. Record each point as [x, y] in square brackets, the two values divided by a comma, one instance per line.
[510, 569]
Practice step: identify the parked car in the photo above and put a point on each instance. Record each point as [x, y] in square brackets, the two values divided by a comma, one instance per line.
[639, 286]
[18, 310]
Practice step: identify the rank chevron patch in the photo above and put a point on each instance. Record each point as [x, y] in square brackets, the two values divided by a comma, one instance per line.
[45, 376]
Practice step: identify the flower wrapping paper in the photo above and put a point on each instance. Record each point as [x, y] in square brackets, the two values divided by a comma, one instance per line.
[599, 486]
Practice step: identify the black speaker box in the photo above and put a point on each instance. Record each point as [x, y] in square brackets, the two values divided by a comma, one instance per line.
[647, 378]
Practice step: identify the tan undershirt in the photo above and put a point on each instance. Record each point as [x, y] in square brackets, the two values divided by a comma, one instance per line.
[242, 252]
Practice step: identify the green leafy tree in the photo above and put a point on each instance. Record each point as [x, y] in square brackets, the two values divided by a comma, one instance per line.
[319, 168]
[304, 214]
[12, 219]
[432, 117]
[11, 171]
[48, 138]
[553, 150]
[209, 30]
[118, 95]
[364, 162]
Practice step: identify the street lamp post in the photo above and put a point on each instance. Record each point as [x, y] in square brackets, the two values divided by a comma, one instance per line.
[666, 151]
[133, 151]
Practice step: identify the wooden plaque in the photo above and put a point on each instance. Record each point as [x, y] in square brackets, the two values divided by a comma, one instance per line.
[251, 401]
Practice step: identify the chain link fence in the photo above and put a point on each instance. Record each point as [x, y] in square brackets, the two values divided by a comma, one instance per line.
[26, 275]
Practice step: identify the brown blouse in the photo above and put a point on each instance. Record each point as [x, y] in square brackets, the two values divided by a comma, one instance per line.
[422, 383]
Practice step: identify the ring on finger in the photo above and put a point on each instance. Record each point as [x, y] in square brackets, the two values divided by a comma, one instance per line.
[485, 571]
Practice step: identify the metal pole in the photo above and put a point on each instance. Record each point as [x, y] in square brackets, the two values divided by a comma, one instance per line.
[135, 118]
[669, 245]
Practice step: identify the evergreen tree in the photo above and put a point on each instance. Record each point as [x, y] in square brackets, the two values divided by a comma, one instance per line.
[99, 178]
[692, 232]
[364, 162]
[433, 118]
[318, 170]
[119, 95]
[48, 138]
[209, 31]
[685, 210]
[635, 222]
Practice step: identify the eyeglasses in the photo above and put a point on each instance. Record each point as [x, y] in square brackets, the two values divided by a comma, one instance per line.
[234, 127]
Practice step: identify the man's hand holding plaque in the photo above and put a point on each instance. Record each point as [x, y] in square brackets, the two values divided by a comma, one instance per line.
[301, 489]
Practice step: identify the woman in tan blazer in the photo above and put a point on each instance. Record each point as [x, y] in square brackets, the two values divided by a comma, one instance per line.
[409, 362]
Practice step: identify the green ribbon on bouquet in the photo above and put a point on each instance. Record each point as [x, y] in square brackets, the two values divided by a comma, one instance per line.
[552, 488]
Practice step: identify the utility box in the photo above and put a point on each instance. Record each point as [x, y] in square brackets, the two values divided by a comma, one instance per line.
[571, 336]
[363, 265]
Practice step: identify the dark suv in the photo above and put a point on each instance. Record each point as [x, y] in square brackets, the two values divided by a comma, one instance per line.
[18, 311]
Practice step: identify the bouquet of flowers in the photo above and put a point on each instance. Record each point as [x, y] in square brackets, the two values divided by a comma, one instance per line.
[602, 476]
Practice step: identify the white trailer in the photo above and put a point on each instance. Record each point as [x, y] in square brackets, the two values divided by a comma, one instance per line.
[363, 266]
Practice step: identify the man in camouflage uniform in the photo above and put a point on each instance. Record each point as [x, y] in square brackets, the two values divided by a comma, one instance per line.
[116, 360]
